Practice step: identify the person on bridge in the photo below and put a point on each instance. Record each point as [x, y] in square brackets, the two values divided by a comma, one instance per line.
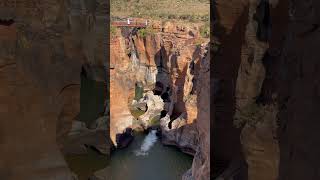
[128, 21]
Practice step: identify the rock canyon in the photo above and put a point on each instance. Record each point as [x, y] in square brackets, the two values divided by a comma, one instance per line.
[54, 76]
[169, 61]
[73, 95]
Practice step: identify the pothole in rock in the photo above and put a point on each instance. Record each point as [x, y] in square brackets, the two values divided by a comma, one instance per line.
[147, 158]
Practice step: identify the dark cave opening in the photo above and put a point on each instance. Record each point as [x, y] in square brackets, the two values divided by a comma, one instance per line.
[158, 88]
[8, 22]
[163, 113]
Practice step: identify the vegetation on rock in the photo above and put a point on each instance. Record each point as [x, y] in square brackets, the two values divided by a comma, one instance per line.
[144, 32]
[205, 30]
[113, 31]
[155, 120]
[136, 112]
[186, 10]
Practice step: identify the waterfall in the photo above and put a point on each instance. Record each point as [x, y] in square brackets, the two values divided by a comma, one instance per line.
[151, 75]
[148, 142]
[148, 76]
[135, 60]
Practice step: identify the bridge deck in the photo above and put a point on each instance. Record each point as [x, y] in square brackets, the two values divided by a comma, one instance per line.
[125, 24]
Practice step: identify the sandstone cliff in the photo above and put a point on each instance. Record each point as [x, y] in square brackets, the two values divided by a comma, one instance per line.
[272, 86]
[165, 56]
[201, 162]
[41, 62]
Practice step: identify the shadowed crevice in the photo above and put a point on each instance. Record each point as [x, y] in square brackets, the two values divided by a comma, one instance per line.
[4, 22]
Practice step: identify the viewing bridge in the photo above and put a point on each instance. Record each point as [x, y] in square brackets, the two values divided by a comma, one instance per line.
[130, 23]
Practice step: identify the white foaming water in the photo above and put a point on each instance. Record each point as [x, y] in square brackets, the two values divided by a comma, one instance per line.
[135, 60]
[148, 142]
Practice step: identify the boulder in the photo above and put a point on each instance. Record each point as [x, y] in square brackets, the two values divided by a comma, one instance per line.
[179, 133]
[155, 106]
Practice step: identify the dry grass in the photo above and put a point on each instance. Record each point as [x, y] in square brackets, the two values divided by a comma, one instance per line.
[185, 10]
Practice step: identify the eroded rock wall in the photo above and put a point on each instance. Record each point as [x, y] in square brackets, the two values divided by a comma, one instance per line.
[201, 163]
[165, 55]
[258, 136]
[275, 92]
[40, 84]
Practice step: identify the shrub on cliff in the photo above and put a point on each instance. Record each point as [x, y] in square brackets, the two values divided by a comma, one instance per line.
[144, 32]
[113, 31]
[205, 31]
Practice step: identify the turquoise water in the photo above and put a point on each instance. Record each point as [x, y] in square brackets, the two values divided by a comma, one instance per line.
[157, 162]
[160, 162]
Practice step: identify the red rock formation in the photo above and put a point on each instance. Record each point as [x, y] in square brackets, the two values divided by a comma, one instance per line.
[161, 46]
[120, 115]
[39, 92]
[201, 162]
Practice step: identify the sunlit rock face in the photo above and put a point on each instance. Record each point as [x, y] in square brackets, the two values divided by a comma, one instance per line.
[40, 85]
[120, 115]
[201, 162]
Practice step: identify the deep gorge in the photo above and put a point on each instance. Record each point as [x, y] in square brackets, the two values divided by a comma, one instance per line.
[54, 88]
[153, 83]
[265, 82]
